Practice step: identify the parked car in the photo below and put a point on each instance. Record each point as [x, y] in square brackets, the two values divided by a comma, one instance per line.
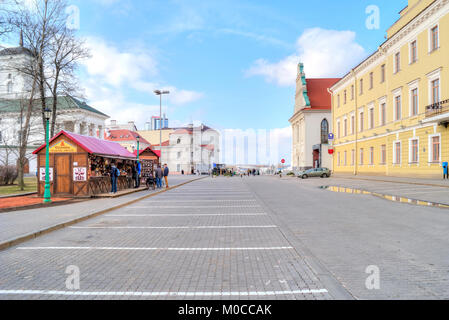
[320, 172]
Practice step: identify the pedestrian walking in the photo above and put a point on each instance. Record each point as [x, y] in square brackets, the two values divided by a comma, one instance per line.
[446, 170]
[159, 177]
[133, 174]
[138, 173]
[114, 173]
[166, 173]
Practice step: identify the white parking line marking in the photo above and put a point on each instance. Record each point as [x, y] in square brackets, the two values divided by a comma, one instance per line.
[202, 200]
[200, 227]
[162, 294]
[154, 249]
[206, 207]
[189, 215]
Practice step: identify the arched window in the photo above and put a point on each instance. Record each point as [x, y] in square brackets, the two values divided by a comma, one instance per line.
[324, 132]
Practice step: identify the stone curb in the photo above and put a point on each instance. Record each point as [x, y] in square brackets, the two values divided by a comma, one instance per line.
[12, 242]
[18, 195]
[392, 181]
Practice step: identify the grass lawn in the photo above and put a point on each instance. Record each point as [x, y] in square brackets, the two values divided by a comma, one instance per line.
[30, 186]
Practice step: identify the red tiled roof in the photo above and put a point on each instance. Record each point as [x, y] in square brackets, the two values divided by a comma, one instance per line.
[156, 152]
[124, 135]
[164, 144]
[94, 145]
[189, 130]
[319, 97]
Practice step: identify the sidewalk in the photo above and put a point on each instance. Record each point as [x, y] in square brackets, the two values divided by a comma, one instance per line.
[403, 180]
[19, 226]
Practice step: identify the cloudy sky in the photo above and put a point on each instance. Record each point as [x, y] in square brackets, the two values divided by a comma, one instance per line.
[228, 63]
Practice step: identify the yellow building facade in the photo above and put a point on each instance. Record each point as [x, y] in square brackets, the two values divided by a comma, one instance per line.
[391, 112]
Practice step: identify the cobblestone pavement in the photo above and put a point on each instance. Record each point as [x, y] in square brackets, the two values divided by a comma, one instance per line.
[19, 223]
[431, 193]
[349, 232]
[211, 239]
[233, 238]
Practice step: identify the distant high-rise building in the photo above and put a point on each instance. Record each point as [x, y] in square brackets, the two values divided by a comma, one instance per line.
[157, 123]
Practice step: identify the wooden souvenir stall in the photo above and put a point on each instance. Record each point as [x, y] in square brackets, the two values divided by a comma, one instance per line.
[80, 165]
[149, 160]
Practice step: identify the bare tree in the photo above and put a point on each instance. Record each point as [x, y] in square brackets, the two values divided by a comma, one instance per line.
[66, 52]
[54, 53]
[6, 9]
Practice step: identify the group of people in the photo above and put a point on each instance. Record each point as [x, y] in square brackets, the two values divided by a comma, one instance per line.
[162, 173]
[136, 171]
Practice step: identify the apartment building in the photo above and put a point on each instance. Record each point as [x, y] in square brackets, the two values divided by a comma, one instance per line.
[391, 112]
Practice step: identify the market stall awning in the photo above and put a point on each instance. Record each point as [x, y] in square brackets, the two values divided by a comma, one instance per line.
[94, 146]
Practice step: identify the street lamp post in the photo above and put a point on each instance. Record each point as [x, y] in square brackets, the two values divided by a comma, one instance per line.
[160, 94]
[47, 193]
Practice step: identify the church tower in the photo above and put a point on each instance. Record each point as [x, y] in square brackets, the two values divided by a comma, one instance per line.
[13, 83]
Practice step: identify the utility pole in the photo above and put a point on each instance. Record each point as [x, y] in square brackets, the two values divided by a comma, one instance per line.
[160, 94]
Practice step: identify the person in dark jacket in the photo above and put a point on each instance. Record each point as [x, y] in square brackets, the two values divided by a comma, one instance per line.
[159, 175]
[115, 173]
[134, 173]
[138, 170]
[166, 173]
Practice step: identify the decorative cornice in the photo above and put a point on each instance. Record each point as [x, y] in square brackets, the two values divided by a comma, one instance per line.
[393, 40]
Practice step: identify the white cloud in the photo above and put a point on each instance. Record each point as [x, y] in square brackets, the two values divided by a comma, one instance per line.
[180, 97]
[114, 75]
[117, 67]
[283, 73]
[325, 53]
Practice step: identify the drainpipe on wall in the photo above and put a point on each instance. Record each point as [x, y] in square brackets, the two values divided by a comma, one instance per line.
[356, 124]
[332, 122]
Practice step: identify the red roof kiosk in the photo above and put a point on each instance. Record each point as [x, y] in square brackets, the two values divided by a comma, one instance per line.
[80, 165]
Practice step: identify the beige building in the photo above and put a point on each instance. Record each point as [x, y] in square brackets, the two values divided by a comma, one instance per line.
[311, 122]
[153, 136]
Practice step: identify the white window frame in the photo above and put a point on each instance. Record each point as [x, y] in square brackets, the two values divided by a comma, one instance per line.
[371, 107]
[394, 152]
[381, 102]
[431, 136]
[361, 125]
[397, 93]
[410, 61]
[338, 129]
[412, 86]
[371, 156]
[410, 154]
[381, 154]
[346, 158]
[352, 124]
[397, 68]
[430, 49]
[353, 155]
[345, 130]
[362, 156]
[432, 76]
